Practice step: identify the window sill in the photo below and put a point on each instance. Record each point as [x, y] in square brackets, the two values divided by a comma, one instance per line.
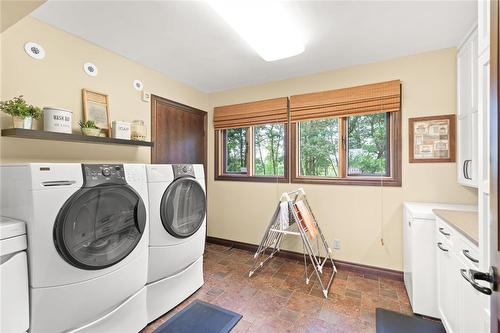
[356, 181]
[255, 179]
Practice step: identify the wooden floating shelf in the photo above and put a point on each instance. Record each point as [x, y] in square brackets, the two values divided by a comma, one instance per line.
[44, 135]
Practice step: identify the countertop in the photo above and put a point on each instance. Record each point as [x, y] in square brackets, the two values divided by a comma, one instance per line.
[464, 222]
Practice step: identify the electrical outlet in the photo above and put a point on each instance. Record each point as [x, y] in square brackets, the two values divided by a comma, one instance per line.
[336, 244]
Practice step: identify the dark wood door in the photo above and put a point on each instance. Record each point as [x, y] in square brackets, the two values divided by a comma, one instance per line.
[179, 133]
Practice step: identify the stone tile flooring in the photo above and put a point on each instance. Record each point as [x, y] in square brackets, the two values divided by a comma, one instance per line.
[276, 299]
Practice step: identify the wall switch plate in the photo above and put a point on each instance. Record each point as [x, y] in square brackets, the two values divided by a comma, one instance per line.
[146, 97]
[336, 244]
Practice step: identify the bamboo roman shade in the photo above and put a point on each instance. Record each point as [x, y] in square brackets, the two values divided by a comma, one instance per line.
[253, 113]
[366, 99]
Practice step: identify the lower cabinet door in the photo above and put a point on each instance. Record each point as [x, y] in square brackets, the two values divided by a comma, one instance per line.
[447, 280]
[473, 307]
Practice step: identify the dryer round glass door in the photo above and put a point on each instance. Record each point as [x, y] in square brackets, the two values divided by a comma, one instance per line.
[183, 207]
[99, 226]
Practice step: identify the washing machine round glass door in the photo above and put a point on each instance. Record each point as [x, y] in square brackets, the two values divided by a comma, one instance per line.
[99, 226]
[183, 207]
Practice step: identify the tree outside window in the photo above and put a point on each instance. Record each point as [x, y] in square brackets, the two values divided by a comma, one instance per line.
[367, 144]
[236, 150]
[319, 147]
[344, 148]
[269, 150]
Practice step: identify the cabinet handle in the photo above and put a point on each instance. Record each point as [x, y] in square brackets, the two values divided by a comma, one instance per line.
[464, 172]
[467, 164]
[441, 230]
[468, 256]
[471, 278]
[440, 245]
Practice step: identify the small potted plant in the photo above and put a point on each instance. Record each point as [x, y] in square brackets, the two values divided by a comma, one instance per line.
[89, 128]
[22, 113]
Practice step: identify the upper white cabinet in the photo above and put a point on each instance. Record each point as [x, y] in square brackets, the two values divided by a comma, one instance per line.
[467, 117]
[483, 25]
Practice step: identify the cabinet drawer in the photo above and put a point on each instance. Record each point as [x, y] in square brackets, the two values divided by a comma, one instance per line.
[467, 252]
[444, 232]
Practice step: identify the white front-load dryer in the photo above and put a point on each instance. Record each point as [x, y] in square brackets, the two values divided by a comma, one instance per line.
[87, 228]
[177, 206]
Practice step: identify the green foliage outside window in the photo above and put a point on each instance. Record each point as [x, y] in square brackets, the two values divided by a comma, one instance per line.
[367, 145]
[269, 150]
[236, 150]
[319, 147]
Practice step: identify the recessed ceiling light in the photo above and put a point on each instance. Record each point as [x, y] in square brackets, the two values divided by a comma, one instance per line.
[264, 25]
[90, 69]
[34, 50]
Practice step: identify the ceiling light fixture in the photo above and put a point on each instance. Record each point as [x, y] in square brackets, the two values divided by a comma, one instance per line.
[264, 25]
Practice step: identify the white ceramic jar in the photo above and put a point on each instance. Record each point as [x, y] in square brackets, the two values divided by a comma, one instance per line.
[57, 120]
[121, 130]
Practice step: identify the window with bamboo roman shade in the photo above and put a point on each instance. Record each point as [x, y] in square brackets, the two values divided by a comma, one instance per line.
[360, 100]
[251, 141]
[254, 113]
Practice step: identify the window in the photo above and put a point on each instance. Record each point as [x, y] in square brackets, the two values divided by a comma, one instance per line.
[357, 150]
[269, 150]
[235, 143]
[367, 145]
[256, 153]
[347, 136]
[319, 148]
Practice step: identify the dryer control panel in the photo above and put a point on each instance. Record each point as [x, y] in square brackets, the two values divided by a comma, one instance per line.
[182, 170]
[98, 174]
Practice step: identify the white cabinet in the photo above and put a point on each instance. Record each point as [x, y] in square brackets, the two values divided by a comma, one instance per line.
[483, 25]
[447, 279]
[462, 308]
[467, 117]
[420, 254]
[473, 317]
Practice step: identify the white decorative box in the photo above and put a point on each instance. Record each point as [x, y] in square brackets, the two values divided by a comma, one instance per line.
[57, 120]
[121, 130]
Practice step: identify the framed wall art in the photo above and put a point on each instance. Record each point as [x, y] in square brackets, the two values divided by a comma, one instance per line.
[96, 108]
[432, 139]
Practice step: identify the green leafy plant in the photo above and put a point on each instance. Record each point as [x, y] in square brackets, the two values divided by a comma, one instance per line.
[87, 124]
[17, 107]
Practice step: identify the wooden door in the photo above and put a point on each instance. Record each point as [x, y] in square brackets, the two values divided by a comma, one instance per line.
[179, 133]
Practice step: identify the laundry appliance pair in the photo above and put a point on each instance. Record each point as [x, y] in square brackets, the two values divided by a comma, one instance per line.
[106, 251]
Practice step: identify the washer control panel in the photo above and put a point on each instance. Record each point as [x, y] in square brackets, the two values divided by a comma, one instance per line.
[97, 174]
[183, 170]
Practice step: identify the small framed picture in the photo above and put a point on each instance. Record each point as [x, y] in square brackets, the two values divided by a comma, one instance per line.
[432, 139]
[96, 108]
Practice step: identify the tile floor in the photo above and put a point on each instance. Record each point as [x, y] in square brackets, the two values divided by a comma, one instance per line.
[276, 299]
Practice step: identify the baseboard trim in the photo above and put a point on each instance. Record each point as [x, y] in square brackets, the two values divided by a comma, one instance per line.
[343, 265]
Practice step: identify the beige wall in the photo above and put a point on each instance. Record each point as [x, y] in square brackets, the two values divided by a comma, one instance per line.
[11, 11]
[358, 216]
[57, 81]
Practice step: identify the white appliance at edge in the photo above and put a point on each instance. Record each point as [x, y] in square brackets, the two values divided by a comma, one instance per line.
[88, 232]
[14, 299]
[177, 206]
[419, 246]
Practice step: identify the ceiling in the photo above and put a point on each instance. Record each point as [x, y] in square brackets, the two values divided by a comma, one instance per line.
[189, 42]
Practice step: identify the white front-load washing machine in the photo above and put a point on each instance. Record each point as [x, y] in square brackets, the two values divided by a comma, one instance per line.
[88, 230]
[177, 210]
